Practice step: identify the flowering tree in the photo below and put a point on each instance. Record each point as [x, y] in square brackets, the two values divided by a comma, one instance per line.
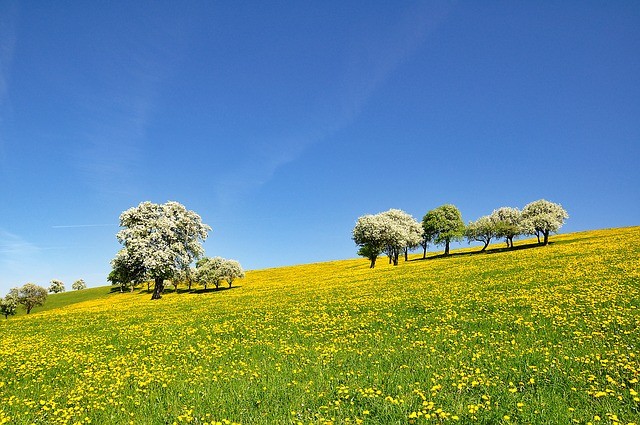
[481, 230]
[159, 240]
[542, 217]
[125, 271]
[391, 232]
[9, 304]
[369, 234]
[78, 285]
[210, 270]
[403, 233]
[507, 223]
[56, 286]
[445, 224]
[231, 270]
[31, 295]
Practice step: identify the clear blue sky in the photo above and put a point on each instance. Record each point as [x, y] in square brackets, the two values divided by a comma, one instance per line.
[282, 122]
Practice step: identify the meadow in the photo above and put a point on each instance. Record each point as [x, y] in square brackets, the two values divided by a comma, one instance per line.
[533, 335]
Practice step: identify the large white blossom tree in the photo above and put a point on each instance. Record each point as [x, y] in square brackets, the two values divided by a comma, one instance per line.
[391, 232]
[159, 241]
[542, 217]
[403, 233]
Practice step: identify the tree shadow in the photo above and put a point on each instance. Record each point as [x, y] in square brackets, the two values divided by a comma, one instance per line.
[485, 252]
[210, 290]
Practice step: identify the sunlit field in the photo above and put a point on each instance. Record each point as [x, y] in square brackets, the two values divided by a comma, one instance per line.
[540, 335]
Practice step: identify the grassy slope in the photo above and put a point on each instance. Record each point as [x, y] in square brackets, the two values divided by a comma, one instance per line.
[55, 301]
[534, 335]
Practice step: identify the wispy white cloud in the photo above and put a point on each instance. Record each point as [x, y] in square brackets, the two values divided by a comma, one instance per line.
[372, 58]
[75, 226]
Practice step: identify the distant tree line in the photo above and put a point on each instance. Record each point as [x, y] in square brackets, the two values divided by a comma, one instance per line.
[393, 232]
[161, 242]
[31, 295]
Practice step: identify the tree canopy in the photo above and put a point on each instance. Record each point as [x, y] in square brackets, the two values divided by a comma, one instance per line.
[31, 295]
[78, 285]
[159, 240]
[390, 232]
[507, 223]
[542, 217]
[445, 224]
[56, 286]
[481, 230]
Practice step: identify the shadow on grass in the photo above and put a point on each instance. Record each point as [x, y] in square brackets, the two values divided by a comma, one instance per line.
[170, 290]
[485, 252]
[209, 290]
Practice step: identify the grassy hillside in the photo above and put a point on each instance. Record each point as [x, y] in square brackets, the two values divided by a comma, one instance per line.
[542, 335]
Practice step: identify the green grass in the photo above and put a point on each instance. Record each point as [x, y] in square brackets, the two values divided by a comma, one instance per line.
[541, 335]
[63, 299]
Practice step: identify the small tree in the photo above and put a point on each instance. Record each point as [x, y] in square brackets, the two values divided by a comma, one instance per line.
[543, 217]
[9, 304]
[445, 223]
[56, 286]
[31, 295]
[210, 270]
[507, 223]
[79, 285]
[126, 271]
[231, 270]
[481, 230]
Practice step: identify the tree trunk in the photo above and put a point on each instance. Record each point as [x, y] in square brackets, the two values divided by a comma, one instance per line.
[132, 287]
[157, 289]
[510, 242]
[486, 244]
[446, 248]
[546, 238]
[373, 262]
[538, 236]
[406, 254]
[424, 253]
